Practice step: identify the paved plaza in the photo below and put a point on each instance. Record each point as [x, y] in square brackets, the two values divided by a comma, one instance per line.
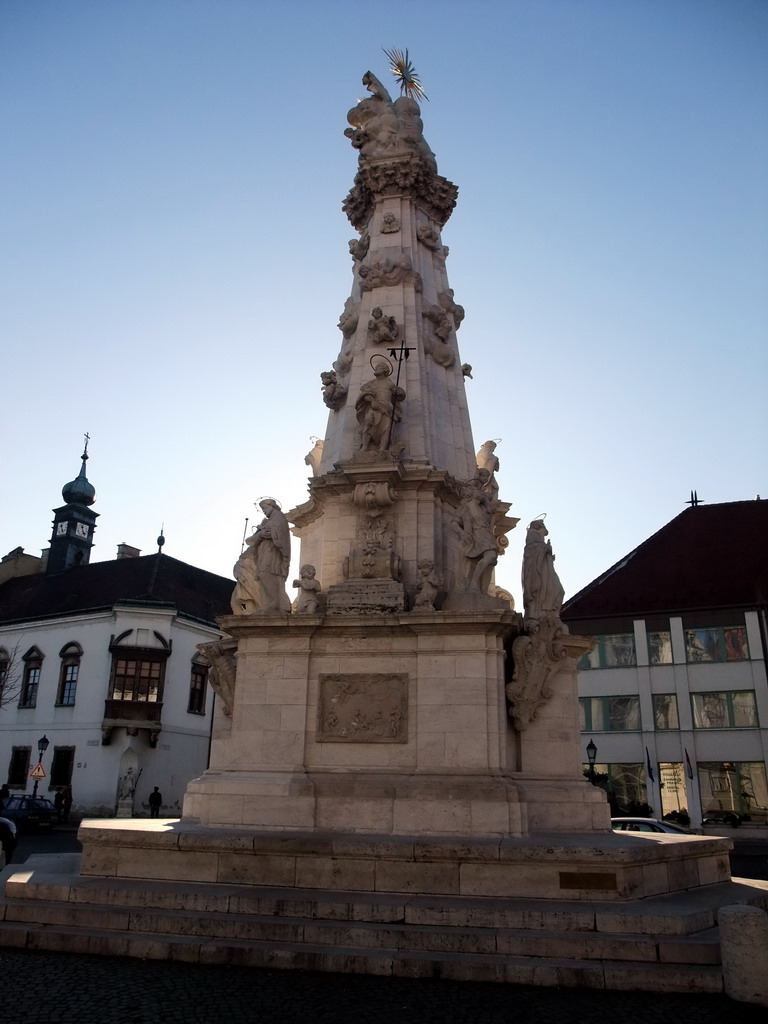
[61, 988]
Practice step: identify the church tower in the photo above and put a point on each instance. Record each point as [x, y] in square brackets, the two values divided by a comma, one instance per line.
[73, 523]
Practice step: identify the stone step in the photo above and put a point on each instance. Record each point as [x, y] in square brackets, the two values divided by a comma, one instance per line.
[669, 915]
[465, 966]
[702, 948]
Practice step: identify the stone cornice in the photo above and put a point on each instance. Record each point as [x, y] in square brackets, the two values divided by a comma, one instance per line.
[408, 176]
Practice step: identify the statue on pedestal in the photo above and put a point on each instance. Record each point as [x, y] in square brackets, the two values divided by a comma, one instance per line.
[542, 590]
[474, 524]
[540, 652]
[377, 408]
[262, 569]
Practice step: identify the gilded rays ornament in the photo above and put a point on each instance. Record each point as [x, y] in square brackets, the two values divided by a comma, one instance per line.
[405, 73]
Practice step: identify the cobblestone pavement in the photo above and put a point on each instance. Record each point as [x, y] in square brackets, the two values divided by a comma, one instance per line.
[62, 988]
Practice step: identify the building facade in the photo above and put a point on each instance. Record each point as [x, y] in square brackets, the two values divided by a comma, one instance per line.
[100, 660]
[674, 695]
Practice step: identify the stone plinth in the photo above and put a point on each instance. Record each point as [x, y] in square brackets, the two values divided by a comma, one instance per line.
[390, 723]
[607, 867]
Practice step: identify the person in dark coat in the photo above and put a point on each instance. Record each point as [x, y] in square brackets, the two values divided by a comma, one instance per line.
[155, 801]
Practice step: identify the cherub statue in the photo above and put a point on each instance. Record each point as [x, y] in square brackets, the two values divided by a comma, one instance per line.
[390, 224]
[426, 586]
[307, 602]
[382, 329]
[333, 392]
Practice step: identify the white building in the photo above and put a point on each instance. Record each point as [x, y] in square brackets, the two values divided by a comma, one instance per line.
[675, 696]
[101, 660]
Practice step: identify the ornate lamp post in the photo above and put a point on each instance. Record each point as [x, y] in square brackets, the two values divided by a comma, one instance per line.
[591, 757]
[42, 746]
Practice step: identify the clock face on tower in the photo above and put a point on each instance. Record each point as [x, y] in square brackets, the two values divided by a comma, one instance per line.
[61, 529]
[81, 529]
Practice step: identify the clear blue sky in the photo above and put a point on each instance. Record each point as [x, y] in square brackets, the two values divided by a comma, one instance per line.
[175, 256]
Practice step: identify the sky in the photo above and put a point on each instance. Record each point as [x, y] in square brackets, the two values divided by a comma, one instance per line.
[175, 260]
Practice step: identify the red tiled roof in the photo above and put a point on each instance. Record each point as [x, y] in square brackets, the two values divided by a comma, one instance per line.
[710, 556]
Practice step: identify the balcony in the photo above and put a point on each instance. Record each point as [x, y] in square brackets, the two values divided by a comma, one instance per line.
[131, 715]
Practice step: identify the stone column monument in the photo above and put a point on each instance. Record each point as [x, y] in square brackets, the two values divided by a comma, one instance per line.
[400, 696]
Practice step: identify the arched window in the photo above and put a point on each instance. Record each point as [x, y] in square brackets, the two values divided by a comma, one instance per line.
[30, 681]
[70, 655]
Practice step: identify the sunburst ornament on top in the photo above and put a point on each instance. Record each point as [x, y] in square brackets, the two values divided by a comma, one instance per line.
[405, 73]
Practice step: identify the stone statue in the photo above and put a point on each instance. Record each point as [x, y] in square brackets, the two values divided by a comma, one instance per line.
[382, 330]
[429, 236]
[388, 270]
[427, 586]
[308, 601]
[377, 408]
[542, 590]
[314, 456]
[349, 317]
[390, 224]
[382, 129]
[474, 525]
[358, 247]
[487, 467]
[447, 302]
[262, 569]
[436, 345]
[222, 673]
[486, 457]
[128, 785]
[333, 392]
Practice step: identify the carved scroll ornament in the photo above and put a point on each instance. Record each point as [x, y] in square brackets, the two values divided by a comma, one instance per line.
[220, 656]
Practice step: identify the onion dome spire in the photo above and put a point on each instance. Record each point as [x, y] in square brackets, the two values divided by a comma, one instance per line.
[80, 491]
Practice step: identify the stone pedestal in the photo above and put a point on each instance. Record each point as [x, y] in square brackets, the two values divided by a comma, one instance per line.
[390, 724]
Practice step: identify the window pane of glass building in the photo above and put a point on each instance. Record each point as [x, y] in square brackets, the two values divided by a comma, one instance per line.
[618, 650]
[660, 648]
[665, 711]
[743, 710]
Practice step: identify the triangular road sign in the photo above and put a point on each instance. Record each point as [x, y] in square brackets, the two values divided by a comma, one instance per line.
[38, 772]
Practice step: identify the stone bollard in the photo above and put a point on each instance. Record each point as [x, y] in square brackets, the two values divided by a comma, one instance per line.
[744, 951]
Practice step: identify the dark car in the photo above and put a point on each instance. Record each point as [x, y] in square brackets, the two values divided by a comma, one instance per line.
[30, 812]
[719, 817]
[7, 838]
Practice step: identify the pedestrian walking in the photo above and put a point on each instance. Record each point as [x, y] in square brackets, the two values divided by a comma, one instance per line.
[58, 804]
[155, 801]
[66, 806]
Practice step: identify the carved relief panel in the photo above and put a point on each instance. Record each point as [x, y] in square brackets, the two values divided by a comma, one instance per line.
[369, 707]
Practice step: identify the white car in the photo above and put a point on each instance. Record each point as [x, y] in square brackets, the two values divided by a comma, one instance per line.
[648, 825]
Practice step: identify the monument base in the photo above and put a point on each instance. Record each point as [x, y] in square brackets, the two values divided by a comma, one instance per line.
[610, 866]
[396, 804]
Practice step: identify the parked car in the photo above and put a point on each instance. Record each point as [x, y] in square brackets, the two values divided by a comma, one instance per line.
[718, 817]
[648, 825]
[7, 838]
[30, 812]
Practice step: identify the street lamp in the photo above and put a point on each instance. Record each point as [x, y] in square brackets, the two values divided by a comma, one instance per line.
[42, 746]
[591, 757]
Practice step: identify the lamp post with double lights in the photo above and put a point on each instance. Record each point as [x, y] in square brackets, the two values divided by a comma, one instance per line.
[42, 746]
